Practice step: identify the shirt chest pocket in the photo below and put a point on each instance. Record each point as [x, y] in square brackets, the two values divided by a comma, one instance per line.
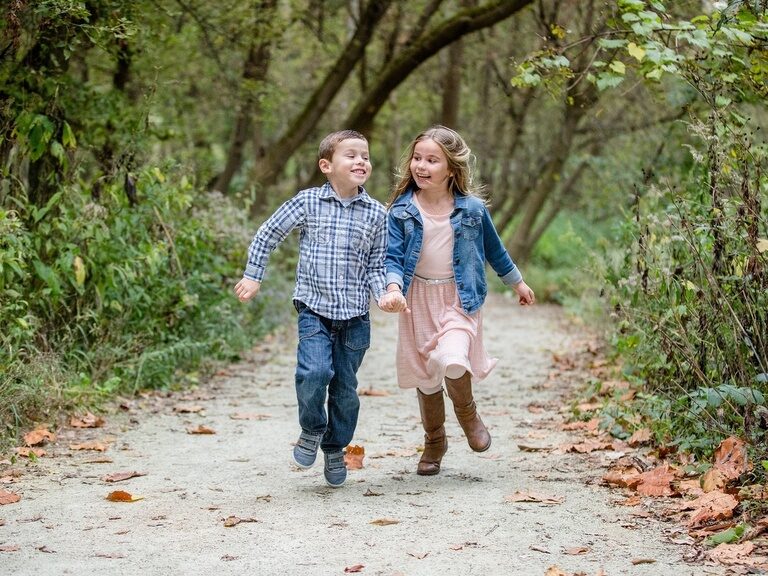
[361, 236]
[319, 229]
[470, 227]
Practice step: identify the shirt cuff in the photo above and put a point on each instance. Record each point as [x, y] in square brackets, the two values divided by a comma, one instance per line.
[512, 277]
[254, 272]
[394, 278]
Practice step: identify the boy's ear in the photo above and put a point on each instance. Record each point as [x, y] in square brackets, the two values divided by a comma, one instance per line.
[325, 165]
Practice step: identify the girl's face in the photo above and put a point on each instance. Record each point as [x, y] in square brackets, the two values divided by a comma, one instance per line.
[429, 166]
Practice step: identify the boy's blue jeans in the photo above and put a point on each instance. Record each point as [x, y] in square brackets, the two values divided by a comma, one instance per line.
[328, 356]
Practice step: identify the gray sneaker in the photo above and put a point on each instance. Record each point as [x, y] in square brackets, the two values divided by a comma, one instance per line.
[335, 469]
[305, 450]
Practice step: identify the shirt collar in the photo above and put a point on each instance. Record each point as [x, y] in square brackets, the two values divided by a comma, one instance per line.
[327, 191]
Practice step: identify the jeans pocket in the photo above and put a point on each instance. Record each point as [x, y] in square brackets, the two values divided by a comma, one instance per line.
[357, 336]
[309, 323]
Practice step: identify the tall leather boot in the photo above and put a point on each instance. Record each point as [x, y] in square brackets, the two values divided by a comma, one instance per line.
[460, 392]
[432, 409]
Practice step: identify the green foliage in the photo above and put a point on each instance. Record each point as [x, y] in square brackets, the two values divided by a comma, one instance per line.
[118, 298]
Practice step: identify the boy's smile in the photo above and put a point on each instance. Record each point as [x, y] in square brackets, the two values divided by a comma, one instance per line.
[349, 167]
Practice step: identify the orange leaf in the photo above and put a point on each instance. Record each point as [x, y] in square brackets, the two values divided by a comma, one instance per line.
[656, 482]
[731, 458]
[25, 451]
[354, 569]
[555, 571]
[625, 476]
[38, 436]
[249, 416]
[587, 446]
[122, 496]
[713, 479]
[731, 553]
[713, 505]
[87, 421]
[576, 551]
[385, 522]
[353, 457]
[8, 497]
[519, 496]
[120, 476]
[639, 437]
[372, 392]
[98, 446]
[201, 430]
[230, 521]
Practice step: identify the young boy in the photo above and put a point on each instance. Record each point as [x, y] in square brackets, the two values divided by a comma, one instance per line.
[342, 245]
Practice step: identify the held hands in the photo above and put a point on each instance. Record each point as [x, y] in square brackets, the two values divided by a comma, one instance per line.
[524, 294]
[247, 289]
[393, 301]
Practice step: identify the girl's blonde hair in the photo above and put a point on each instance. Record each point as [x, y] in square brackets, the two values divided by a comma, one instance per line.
[461, 163]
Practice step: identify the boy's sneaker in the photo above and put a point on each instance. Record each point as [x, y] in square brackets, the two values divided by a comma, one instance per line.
[305, 450]
[335, 469]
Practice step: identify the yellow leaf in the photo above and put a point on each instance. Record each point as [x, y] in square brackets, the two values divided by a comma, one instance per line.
[385, 522]
[79, 271]
[618, 67]
[122, 496]
[635, 51]
[762, 245]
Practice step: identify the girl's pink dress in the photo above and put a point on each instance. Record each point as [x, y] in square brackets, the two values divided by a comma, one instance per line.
[437, 332]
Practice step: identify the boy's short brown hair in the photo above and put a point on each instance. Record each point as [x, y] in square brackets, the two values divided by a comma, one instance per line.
[329, 143]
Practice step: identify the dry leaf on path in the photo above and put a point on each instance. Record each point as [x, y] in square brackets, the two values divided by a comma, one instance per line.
[26, 451]
[8, 497]
[87, 421]
[731, 458]
[353, 457]
[527, 448]
[637, 561]
[586, 446]
[249, 416]
[418, 555]
[555, 571]
[230, 521]
[385, 522]
[188, 408]
[94, 445]
[656, 482]
[201, 430]
[642, 436]
[713, 505]
[122, 496]
[10, 548]
[520, 496]
[39, 436]
[731, 553]
[372, 392]
[120, 476]
[713, 479]
[576, 551]
[354, 569]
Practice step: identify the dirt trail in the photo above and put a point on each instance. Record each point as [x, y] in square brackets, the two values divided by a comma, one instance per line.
[457, 523]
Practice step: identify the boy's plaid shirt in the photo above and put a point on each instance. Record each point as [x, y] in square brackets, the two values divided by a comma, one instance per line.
[341, 250]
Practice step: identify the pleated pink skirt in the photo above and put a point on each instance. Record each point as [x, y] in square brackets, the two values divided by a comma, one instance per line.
[437, 333]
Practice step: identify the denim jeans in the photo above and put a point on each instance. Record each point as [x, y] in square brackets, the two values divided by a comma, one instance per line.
[328, 356]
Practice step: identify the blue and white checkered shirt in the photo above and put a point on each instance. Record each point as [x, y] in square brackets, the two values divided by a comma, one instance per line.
[341, 250]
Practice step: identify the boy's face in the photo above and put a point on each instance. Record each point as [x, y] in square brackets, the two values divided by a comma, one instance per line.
[350, 165]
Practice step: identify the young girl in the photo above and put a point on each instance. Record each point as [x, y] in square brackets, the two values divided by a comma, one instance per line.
[440, 236]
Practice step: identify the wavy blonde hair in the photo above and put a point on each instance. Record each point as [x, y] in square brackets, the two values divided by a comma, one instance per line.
[461, 163]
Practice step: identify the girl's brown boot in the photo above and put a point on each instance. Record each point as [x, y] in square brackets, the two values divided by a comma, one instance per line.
[460, 392]
[432, 407]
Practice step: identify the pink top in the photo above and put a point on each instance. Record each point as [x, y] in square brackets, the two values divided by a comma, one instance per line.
[437, 245]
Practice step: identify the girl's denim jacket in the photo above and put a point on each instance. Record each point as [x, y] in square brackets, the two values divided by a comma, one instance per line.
[475, 240]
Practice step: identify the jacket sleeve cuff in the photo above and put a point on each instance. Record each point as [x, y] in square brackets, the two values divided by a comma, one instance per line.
[512, 277]
[254, 272]
[394, 278]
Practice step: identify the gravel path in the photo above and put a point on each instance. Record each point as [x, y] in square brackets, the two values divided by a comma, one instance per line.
[385, 521]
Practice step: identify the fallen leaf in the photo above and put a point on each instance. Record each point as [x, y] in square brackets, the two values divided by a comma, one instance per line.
[656, 482]
[39, 436]
[554, 571]
[519, 496]
[354, 569]
[8, 497]
[122, 496]
[372, 392]
[249, 416]
[637, 561]
[642, 436]
[576, 551]
[94, 445]
[112, 556]
[631, 501]
[353, 457]
[713, 479]
[419, 555]
[9, 548]
[731, 458]
[45, 549]
[624, 476]
[527, 448]
[87, 421]
[188, 408]
[201, 430]
[370, 492]
[230, 521]
[731, 553]
[385, 522]
[590, 425]
[713, 505]
[26, 451]
[586, 446]
[120, 476]
[539, 549]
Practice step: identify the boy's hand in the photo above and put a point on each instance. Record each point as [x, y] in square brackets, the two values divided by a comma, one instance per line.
[393, 302]
[524, 294]
[247, 289]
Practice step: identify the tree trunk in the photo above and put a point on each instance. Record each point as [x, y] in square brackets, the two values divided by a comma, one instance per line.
[452, 85]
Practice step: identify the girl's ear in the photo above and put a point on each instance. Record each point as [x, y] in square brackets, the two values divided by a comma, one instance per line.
[325, 165]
